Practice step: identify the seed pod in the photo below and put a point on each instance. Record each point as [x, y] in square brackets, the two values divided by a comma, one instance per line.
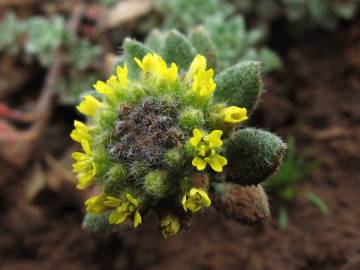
[247, 205]
[156, 183]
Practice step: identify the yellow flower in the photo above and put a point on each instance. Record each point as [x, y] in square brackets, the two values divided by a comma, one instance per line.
[149, 63]
[113, 84]
[169, 74]
[169, 226]
[153, 64]
[234, 114]
[204, 84]
[195, 199]
[203, 80]
[214, 139]
[205, 150]
[81, 132]
[122, 73]
[199, 63]
[84, 167]
[95, 204]
[124, 209]
[197, 136]
[89, 105]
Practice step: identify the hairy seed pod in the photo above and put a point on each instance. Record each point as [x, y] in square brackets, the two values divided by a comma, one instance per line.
[245, 204]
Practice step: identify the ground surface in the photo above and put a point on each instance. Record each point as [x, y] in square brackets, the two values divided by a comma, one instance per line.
[316, 98]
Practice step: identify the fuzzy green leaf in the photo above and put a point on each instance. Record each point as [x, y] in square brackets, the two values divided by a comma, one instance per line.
[202, 42]
[155, 40]
[178, 49]
[240, 85]
[253, 155]
[270, 59]
[132, 49]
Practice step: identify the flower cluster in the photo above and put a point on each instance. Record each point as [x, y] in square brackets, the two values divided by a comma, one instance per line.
[205, 150]
[143, 133]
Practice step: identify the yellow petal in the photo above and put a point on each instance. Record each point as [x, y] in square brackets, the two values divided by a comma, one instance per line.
[95, 204]
[183, 202]
[122, 73]
[79, 124]
[79, 135]
[193, 191]
[217, 162]
[117, 217]
[234, 114]
[214, 139]
[171, 73]
[132, 199]
[199, 163]
[84, 181]
[112, 202]
[86, 147]
[199, 63]
[113, 84]
[102, 88]
[197, 136]
[137, 219]
[89, 106]
[81, 132]
[205, 198]
[204, 84]
[193, 207]
[92, 199]
[150, 63]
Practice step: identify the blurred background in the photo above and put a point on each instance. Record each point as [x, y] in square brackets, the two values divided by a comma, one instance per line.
[51, 52]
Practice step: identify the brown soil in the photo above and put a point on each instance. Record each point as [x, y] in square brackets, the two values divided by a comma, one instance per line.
[316, 98]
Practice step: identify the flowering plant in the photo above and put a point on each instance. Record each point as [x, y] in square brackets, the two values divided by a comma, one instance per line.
[157, 137]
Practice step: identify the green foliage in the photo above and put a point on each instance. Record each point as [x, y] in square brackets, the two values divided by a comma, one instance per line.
[283, 183]
[82, 54]
[44, 37]
[301, 14]
[40, 38]
[283, 218]
[317, 202]
[234, 43]
[319, 12]
[74, 85]
[185, 14]
[11, 31]
[221, 30]
[294, 169]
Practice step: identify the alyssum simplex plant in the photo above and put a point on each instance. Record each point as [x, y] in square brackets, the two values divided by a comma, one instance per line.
[167, 136]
